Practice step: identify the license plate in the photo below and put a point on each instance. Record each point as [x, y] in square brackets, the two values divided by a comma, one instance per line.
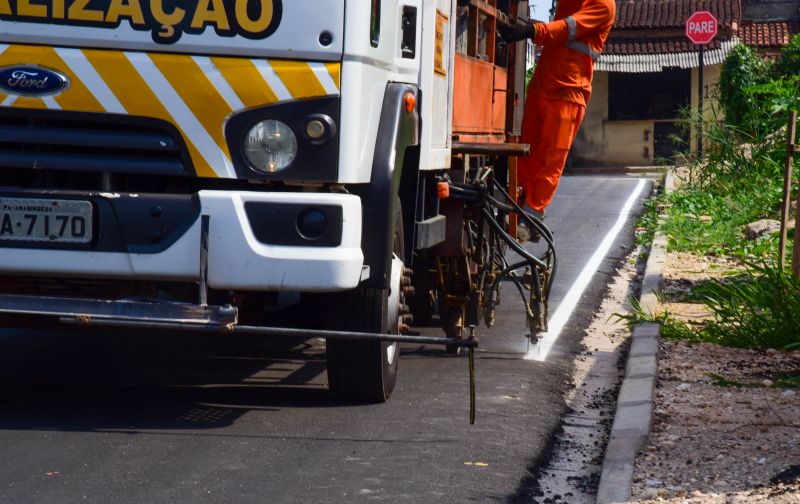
[43, 220]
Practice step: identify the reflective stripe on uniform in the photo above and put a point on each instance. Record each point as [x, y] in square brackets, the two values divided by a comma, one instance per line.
[581, 47]
[572, 28]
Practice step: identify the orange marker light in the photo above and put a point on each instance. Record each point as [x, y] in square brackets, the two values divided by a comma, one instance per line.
[409, 102]
[443, 190]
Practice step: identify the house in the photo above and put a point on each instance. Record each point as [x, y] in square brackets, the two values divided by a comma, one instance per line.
[648, 73]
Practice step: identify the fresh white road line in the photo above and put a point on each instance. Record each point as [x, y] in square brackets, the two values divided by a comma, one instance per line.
[567, 306]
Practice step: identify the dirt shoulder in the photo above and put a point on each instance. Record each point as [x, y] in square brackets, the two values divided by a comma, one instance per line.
[727, 421]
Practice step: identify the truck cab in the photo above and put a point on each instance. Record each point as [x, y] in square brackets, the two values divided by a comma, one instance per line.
[198, 164]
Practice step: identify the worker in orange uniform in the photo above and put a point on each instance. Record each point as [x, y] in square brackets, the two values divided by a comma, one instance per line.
[559, 91]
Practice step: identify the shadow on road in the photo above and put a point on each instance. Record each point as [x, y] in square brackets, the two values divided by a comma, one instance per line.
[87, 381]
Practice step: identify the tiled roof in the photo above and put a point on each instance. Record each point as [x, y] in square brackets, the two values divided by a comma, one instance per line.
[656, 45]
[669, 14]
[767, 34]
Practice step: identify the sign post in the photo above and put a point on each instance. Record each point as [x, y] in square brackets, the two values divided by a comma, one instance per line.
[701, 28]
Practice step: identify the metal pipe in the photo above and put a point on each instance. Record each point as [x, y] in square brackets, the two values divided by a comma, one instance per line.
[203, 284]
[284, 332]
[787, 189]
[791, 148]
[700, 86]
[491, 149]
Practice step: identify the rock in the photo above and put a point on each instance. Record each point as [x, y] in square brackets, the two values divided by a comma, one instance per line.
[789, 393]
[757, 229]
[767, 383]
[632, 275]
[761, 461]
[654, 483]
[683, 387]
[649, 494]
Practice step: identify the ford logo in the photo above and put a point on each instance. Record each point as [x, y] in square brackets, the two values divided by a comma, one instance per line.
[32, 81]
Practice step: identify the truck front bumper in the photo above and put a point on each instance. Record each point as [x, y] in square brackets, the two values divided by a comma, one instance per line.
[255, 243]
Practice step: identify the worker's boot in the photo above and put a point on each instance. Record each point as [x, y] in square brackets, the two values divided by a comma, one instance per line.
[525, 233]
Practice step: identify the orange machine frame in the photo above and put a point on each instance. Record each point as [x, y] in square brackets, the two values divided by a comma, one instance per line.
[486, 89]
[488, 95]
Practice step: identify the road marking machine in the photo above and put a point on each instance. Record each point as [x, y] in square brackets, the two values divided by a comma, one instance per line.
[285, 168]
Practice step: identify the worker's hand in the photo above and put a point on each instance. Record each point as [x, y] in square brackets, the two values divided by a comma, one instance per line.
[517, 32]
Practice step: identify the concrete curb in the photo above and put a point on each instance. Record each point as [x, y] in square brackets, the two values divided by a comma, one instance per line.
[617, 170]
[634, 415]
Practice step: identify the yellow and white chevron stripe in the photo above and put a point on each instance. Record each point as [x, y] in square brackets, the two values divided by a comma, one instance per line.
[195, 93]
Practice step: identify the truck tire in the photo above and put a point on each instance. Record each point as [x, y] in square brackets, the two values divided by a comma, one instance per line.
[366, 371]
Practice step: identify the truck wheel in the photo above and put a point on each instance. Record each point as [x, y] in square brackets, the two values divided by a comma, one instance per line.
[366, 371]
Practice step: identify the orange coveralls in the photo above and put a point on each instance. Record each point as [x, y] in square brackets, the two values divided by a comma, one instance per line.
[559, 92]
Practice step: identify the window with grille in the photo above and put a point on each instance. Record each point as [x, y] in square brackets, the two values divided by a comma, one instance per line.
[642, 96]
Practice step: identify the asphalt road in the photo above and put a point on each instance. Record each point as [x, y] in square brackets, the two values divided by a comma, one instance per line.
[156, 418]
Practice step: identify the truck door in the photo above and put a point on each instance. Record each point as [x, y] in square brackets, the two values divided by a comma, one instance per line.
[437, 75]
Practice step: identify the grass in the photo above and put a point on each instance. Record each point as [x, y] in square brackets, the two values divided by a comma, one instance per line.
[721, 381]
[758, 310]
[783, 381]
[703, 222]
[648, 221]
[740, 182]
[671, 327]
[788, 381]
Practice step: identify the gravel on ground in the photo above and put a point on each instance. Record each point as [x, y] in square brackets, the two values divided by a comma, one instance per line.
[727, 421]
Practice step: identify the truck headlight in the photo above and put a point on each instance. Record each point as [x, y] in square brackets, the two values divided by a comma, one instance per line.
[270, 146]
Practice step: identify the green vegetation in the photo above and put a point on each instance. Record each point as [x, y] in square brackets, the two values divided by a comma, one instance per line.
[755, 93]
[671, 327]
[739, 182]
[721, 381]
[783, 381]
[758, 310]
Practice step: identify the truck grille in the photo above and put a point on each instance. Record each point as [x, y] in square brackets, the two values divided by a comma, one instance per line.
[90, 143]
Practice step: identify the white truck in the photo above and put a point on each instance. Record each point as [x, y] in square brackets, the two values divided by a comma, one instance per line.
[223, 164]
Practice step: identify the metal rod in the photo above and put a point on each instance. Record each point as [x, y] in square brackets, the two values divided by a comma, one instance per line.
[472, 385]
[203, 287]
[492, 149]
[791, 148]
[787, 190]
[285, 332]
[700, 103]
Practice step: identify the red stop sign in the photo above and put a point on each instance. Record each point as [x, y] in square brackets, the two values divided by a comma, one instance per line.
[701, 27]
